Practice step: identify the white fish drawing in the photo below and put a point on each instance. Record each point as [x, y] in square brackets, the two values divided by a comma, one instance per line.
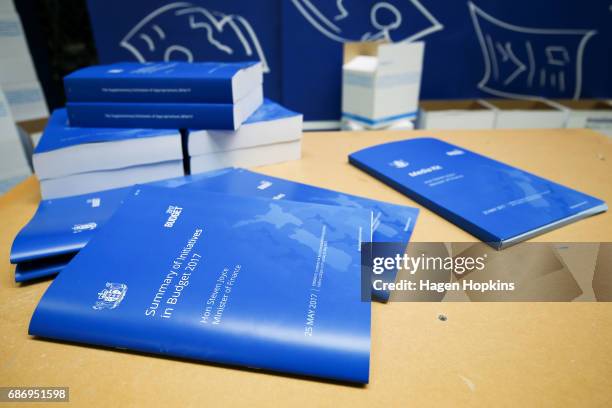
[526, 62]
[182, 31]
[369, 20]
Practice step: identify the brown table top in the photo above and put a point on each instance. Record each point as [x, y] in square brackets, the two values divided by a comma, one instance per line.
[486, 354]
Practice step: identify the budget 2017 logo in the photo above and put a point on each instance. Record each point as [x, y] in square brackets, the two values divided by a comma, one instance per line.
[111, 296]
[173, 211]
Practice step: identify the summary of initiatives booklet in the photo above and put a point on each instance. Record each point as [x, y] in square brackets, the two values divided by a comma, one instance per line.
[227, 279]
[497, 203]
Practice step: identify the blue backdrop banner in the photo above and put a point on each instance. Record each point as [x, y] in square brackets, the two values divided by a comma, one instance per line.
[485, 48]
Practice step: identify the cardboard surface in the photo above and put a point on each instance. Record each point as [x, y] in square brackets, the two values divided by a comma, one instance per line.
[484, 354]
[457, 114]
[528, 114]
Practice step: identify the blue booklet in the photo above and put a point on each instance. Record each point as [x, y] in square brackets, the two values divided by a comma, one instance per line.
[497, 203]
[271, 111]
[65, 225]
[390, 223]
[164, 82]
[166, 115]
[41, 268]
[233, 280]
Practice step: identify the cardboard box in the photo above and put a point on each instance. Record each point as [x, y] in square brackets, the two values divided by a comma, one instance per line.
[381, 82]
[457, 114]
[528, 114]
[589, 113]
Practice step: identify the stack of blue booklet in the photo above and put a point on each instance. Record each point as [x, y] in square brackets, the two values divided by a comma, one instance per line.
[61, 227]
[259, 283]
[71, 160]
[273, 134]
[497, 203]
[166, 95]
[121, 128]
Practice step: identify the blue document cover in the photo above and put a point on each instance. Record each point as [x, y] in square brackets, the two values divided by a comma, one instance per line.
[270, 111]
[41, 268]
[59, 134]
[65, 225]
[167, 82]
[495, 202]
[232, 280]
[153, 115]
[270, 124]
[390, 223]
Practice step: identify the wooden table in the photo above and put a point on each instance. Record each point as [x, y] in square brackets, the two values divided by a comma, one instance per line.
[510, 354]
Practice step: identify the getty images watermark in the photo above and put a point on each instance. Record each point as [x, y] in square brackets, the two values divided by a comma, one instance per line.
[450, 271]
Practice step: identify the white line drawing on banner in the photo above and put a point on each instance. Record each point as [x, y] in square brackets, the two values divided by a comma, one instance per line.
[560, 51]
[210, 33]
[327, 27]
[384, 29]
[525, 51]
[532, 67]
[173, 49]
[520, 67]
[159, 31]
[494, 58]
[149, 41]
[342, 11]
[149, 35]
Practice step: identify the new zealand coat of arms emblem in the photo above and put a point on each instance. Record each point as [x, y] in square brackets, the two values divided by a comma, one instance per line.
[111, 296]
